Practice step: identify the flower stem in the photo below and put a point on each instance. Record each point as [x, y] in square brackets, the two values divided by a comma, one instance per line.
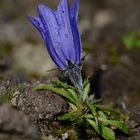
[74, 74]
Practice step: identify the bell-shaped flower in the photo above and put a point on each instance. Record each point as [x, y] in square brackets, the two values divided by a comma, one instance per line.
[59, 30]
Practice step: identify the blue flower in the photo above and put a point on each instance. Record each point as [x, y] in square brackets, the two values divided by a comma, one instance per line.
[59, 30]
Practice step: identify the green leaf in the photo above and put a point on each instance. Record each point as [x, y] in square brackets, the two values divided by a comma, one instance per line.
[64, 85]
[72, 106]
[117, 114]
[102, 115]
[59, 83]
[102, 130]
[60, 91]
[89, 116]
[72, 116]
[96, 102]
[75, 97]
[70, 89]
[86, 90]
[96, 121]
[92, 109]
[131, 40]
[119, 125]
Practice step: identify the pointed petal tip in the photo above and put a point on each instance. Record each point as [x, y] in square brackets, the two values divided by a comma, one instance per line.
[35, 21]
[75, 5]
[43, 7]
[63, 3]
[30, 18]
[40, 7]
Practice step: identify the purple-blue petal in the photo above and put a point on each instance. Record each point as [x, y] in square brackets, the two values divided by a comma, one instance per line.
[37, 23]
[60, 32]
[74, 9]
[49, 22]
[65, 31]
[74, 25]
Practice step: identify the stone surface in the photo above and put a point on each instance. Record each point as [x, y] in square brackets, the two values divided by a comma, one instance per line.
[14, 125]
[39, 105]
[34, 58]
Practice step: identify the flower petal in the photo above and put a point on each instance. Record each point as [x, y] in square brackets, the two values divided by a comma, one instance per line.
[65, 31]
[74, 9]
[36, 22]
[49, 22]
[74, 26]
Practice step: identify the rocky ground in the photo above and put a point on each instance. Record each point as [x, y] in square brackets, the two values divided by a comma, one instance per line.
[31, 115]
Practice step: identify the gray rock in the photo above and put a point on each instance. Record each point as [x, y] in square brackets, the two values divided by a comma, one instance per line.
[42, 105]
[14, 125]
[34, 58]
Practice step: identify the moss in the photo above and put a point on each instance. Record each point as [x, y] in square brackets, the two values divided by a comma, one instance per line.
[72, 134]
[58, 132]
[7, 95]
[114, 57]
[43, 137]
[131, 40]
